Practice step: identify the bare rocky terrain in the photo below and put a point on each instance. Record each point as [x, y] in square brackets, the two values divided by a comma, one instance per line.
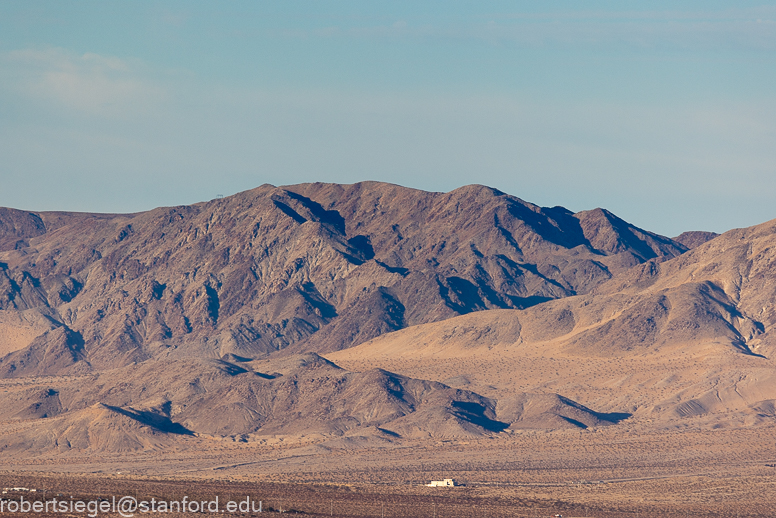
[316, 267]
[374, 334]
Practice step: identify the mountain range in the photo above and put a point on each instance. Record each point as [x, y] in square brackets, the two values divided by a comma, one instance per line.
[331, 308]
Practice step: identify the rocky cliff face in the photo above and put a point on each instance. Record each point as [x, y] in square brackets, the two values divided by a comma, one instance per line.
[312, 267]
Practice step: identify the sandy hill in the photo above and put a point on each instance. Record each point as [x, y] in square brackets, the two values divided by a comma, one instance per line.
[161, 403]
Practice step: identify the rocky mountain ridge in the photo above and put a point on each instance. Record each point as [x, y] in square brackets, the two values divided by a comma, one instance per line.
[311, 267]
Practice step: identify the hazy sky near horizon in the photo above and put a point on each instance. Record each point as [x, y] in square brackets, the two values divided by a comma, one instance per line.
[662, 112]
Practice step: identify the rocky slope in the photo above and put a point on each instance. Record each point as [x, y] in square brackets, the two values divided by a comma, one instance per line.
[694, 238]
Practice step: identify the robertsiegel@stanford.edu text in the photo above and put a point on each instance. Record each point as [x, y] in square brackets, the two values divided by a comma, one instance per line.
[128, 506]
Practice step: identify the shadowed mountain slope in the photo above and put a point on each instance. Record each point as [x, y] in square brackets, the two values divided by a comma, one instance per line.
[17, 226]
[721, 291]
[734, 278]
[312, 267]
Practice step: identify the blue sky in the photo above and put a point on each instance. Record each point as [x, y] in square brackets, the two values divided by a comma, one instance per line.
[662, 112]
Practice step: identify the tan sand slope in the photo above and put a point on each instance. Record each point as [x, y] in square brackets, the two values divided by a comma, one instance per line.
[95, 429]
[19, 328]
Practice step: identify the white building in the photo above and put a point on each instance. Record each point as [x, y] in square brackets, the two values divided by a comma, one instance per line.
[448, 482]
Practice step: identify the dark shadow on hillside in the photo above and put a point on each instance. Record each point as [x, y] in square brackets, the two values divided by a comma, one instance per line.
[612, 417]
[395, 269]
[288, 211]
[576, 423]
[156, 421]
[527, 302]
[328, 217]
[475, 414]
[364, 247]
[389, 432]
